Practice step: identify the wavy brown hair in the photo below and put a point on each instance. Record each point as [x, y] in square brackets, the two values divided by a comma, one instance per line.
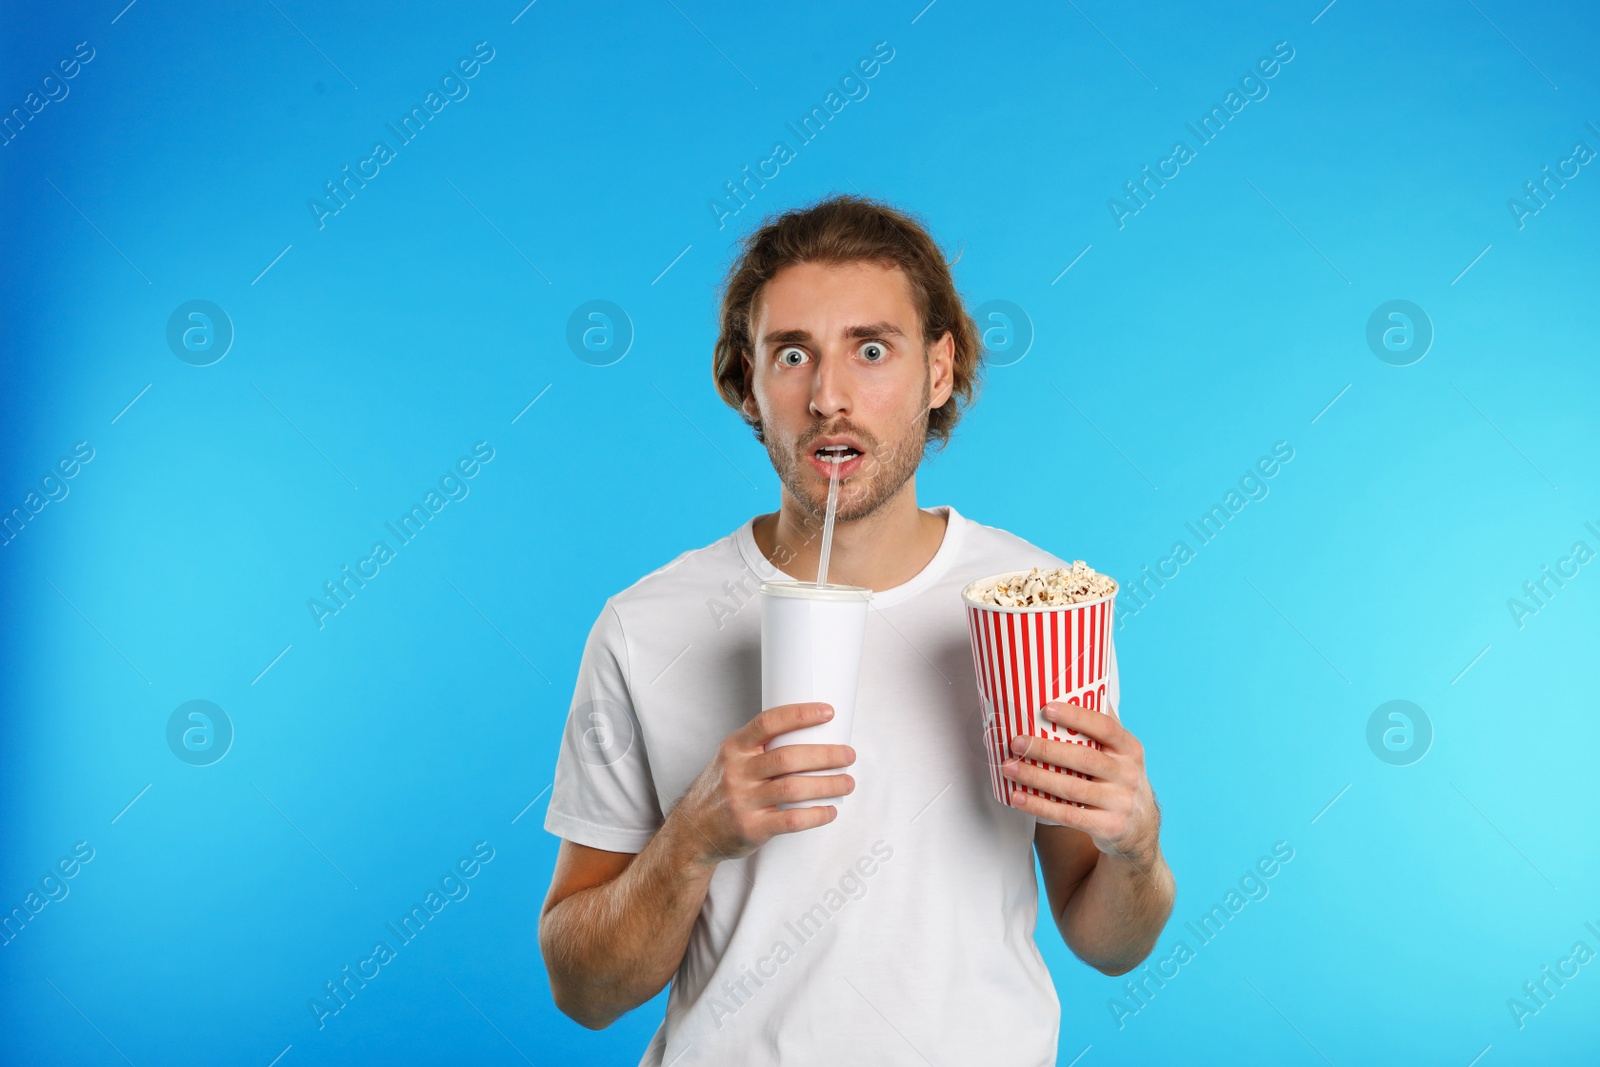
[847, 229]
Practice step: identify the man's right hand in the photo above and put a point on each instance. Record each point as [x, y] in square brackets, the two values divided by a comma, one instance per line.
[731, 808]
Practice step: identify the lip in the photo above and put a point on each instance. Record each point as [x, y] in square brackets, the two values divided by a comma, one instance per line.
[838, 439]
[848, 467]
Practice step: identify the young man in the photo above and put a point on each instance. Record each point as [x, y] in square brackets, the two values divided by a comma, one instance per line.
[896, 924]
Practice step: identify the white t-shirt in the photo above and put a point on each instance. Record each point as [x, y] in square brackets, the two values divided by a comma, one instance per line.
[903, 930]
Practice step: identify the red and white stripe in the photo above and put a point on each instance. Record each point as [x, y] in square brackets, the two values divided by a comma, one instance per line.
[1027, 659]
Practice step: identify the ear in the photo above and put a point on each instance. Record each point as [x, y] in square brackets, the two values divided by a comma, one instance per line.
[748, 406]
[941, 370]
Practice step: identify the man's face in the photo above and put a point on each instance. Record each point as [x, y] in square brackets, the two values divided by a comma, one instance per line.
[839, 359]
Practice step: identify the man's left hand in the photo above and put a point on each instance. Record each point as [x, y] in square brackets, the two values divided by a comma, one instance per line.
[1119, 812]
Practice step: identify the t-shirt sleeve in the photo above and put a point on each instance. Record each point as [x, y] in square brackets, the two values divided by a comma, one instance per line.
[603, 795]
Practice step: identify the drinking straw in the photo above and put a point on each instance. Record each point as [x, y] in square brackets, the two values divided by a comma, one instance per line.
[827, 525]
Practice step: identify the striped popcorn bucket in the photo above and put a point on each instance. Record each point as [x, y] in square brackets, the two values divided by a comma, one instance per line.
[1026, 658]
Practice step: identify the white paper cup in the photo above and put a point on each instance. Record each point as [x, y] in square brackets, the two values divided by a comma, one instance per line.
[811, 638]
[1028, 657]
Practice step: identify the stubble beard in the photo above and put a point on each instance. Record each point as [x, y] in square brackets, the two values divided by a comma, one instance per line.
[888, 466]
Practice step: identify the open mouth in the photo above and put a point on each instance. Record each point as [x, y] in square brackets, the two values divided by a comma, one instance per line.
[836, 454]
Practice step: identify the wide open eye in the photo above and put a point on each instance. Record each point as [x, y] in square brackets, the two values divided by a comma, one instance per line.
[874, 352]
[785, 353]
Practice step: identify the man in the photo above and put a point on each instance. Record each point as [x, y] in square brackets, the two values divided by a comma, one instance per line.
[894, 925]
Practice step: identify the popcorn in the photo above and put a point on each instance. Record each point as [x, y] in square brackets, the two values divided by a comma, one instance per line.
[1048, 588]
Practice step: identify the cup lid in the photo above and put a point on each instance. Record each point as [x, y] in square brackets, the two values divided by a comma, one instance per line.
[813, 591]
[969, 595]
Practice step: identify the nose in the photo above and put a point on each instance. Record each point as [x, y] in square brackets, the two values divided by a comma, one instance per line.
[829, 389]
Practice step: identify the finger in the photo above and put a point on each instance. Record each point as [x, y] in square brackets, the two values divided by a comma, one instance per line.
[787, 759]
[1058, 783]
[1084, 819]
[781, 719]
[1098, 725]
[1068, 754]
[790, 788]
[792, 820]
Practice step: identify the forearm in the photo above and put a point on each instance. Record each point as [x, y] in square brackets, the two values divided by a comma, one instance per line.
[611, 947]
[1113, 918]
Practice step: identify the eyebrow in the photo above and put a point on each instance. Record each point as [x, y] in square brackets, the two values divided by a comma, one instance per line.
[862, 331]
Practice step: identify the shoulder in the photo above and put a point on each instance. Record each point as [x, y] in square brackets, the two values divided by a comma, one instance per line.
[708, 566]
[675, 602]
[1005, 549]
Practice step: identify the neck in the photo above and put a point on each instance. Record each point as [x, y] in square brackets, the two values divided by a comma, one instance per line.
[879, 551]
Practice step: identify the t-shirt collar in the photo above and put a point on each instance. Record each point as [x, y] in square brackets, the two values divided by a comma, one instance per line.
[949, 548]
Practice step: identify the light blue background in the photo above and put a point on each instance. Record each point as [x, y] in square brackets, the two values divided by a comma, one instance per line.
[426, 315]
